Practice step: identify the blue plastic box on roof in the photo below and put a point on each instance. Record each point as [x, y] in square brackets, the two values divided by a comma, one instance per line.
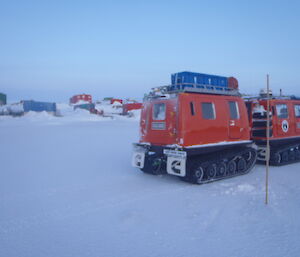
[187, 79]
[38, 106]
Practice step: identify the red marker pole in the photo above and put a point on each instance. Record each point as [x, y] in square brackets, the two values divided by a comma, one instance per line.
[268, 143]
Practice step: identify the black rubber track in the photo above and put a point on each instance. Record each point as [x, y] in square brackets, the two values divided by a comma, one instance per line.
[282, 151]
[216, 159]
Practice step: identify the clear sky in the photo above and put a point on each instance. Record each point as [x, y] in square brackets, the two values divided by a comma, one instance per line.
[51, 50]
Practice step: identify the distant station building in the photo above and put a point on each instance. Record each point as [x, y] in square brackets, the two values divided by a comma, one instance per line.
[83, 97]
[116, 100]
[3, 99]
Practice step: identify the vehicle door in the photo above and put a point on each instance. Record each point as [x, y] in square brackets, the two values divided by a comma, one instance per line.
[282, 123]
[163, 121]
[296, 107]
[235, 124]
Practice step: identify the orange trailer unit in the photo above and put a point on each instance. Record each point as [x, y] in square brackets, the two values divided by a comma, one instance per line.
[284, 128]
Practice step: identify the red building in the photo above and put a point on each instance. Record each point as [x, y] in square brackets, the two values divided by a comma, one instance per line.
[83, 97]
[113, 100]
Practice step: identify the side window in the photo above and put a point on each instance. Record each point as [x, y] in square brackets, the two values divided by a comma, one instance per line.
[282, 111]
[297, 110]
[208, 111]
[159, 111]
[234, 110]
[192, 108]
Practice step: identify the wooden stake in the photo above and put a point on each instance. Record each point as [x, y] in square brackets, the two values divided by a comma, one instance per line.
[268, 143]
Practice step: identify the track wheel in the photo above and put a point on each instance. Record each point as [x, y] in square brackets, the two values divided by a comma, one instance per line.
[292, 155]
[241, 165]
[275, 159]
[248, 156]
[221, 169]
[231, 167]
[197, 174]
[211, 171]
[297, 154]
[285, 156]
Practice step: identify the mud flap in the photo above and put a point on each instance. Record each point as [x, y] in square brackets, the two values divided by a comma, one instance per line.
[176, 162]
[261, 153]
[138, 156]
[138, 159]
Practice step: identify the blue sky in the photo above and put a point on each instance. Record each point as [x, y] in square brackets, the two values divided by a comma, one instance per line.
[51, 50]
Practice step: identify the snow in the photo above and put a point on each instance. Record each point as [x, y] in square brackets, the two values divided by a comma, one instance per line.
[4, 109]
[67, 189]
[15, 108]
[259, 109]
[81, 102]
[220, 144]
[108, 109]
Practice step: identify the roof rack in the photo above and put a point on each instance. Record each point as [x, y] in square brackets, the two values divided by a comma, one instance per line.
[274, 97]
[193, 88]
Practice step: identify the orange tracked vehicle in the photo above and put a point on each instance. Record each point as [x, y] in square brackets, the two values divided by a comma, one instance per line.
[284, 128]
[197, 128]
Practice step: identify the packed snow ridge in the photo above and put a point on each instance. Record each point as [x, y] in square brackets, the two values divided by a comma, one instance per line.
[66, 112]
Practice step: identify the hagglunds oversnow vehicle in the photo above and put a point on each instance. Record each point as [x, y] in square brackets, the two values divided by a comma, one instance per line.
[197, 128]
[284, 128]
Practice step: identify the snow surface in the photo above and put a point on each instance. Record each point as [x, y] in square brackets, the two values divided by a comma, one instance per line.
[259, 109]
[67, 189]
[16, 108]
[80, 102]
[115, 108]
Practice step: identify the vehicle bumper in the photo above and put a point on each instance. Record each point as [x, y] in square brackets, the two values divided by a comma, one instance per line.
[175, 159]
